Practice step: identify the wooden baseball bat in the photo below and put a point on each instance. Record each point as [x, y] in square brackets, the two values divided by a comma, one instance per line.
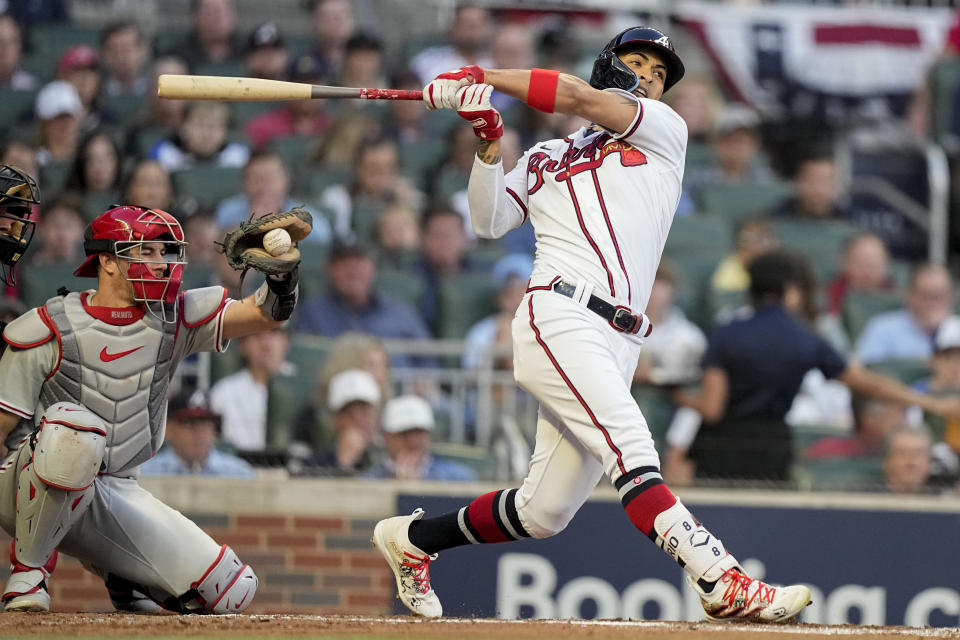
[182, 87]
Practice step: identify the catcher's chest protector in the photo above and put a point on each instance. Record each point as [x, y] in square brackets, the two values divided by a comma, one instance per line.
[120, 372]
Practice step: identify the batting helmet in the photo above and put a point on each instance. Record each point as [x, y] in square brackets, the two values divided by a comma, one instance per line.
[610, 72]
[18, 194]
[122, 231]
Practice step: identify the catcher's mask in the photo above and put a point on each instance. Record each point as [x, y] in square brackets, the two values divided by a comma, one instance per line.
[125, 231]
[18, 194]
[609, 72]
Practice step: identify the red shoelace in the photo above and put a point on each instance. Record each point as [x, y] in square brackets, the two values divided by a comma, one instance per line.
[738, 582]
[420, 571]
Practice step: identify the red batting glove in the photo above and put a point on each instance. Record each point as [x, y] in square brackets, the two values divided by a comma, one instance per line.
[442, 90]
[473, 105]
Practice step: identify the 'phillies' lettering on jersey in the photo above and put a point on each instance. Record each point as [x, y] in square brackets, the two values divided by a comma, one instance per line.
[594, 154]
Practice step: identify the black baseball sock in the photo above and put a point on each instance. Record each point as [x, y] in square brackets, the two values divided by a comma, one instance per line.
[431, 535]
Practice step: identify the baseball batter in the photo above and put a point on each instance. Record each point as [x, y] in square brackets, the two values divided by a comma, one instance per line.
[83, 404]
[601, 201]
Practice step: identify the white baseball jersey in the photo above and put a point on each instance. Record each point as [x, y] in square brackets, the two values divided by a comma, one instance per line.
[601, 203]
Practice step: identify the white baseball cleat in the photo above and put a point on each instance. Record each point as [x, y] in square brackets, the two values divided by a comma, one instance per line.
[410, 565]
[737, 597]
[26, 591]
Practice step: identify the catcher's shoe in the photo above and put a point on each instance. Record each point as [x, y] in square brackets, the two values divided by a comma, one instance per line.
[26, 590]
[410, 565]
[130, 597]
[738, 597]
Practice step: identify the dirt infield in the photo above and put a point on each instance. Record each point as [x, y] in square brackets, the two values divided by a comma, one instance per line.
[86, 625]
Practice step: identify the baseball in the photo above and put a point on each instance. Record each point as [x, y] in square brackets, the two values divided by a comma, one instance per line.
[276, 241]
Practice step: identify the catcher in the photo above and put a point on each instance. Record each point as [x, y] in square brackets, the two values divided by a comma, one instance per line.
[83, 404]
[18, 194]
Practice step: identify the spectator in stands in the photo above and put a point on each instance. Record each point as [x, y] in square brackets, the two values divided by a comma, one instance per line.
[510, 276]
[469, 36]
[204, 232]
[58, 108]
[866, 269]
[910, 332]
[213, 36]
[443, 238]
[362, 62]
[96, 169]
[873, 422]
[405, 121]
[192, 431]
[161, 116]
[80, 66]
[815, 192]
[907, 463]
[295, 117]
[267, 55]
[408, 426]
[375, 183]
[202, 138]
[353, 404]
[735, 153]
[398, 235]
[266, 189]
[11, 53]
[754, 236]
[451, 173]
[671, 355]
[333, 22]
[753, 368]
[18, 153]
[353, 304]
[944, 380]
[123, 55]
[60, 232]
[148, 185]
[699, 103]
[511, 47]
[241, 398]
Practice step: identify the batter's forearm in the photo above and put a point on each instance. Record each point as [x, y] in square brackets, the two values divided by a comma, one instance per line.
[515, 82]
[489, 151]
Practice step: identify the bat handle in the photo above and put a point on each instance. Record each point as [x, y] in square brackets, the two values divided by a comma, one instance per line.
[390, 94]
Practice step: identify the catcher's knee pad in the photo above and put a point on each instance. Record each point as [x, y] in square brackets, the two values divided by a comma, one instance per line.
[228, 586]
[69, 447]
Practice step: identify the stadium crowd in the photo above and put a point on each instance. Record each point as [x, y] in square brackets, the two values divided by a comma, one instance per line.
[392, 255]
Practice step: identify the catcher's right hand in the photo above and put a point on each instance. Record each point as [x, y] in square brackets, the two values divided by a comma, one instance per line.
[442, 91]
[244, 250]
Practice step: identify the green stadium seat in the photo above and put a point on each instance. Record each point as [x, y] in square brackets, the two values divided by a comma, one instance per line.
[42, 64]
[403, 284]
[208, 184]
[418, 158]
[464, 300]
[859, 307]
[53, 177]
[127, 108]
[698, 155]
[243, 112]
[223, 364]
[292, 149]
[701, 231]
[842, 474]
[318, 179]
[96, 202]
[225, 68]
[471, 456]
[658, 410]
[735, 201]
[57, 38]
[906, 370]
[822, 241]
[15, 108]
[944, 86]
[39, 282]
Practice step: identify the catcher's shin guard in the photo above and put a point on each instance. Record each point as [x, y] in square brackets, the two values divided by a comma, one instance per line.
[227, 586]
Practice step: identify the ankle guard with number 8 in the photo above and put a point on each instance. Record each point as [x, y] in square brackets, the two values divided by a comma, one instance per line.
[277, 297]
[473, 105]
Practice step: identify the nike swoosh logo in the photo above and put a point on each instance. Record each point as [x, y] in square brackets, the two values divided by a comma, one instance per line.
[109, 357]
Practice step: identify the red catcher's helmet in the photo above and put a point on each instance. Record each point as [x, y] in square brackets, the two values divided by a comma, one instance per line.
[120, 231]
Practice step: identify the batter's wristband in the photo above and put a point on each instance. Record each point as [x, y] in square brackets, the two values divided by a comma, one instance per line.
[542, 91]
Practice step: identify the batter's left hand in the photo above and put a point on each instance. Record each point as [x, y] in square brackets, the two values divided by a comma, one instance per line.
[441, 93]
[473, 105]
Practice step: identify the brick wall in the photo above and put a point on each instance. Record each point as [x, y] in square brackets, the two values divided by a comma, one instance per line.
[308, 541]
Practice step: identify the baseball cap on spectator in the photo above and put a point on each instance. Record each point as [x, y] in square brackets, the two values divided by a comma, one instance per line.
[948, 335]
[267, 35]
[735, 117]
[191, 405]
[78, 57]
[404, 413]
[352, 385]
[58, 98]
[307, 68]
[510, 266]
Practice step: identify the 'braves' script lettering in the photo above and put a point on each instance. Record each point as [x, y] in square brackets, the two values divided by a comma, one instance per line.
[587, 157]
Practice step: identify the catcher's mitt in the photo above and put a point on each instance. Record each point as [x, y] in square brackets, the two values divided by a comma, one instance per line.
[244, 246]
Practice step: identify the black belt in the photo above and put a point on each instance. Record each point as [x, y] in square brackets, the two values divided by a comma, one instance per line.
[619, 318]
